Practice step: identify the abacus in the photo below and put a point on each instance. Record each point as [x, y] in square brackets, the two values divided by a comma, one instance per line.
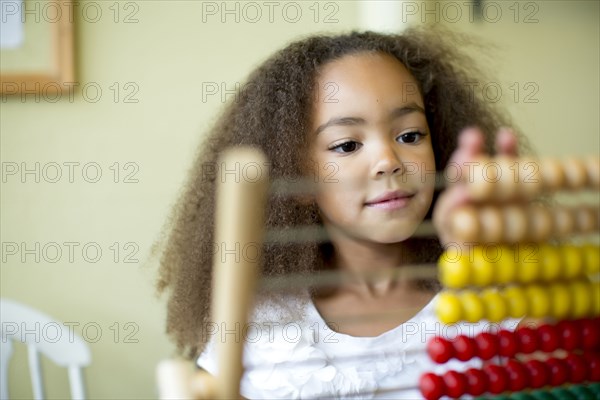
[558, 358]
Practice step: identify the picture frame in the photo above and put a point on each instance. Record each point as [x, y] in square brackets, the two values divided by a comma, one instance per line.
[44, 60]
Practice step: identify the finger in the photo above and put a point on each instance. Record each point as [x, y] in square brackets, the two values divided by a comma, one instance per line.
[471, 141]
[470, 144]
[506, 142]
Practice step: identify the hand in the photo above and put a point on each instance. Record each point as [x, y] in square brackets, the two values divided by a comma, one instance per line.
[470, 146]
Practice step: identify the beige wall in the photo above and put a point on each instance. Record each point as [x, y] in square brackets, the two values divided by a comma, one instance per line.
[168, 56]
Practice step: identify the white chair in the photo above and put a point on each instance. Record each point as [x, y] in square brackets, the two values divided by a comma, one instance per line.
[42, 334]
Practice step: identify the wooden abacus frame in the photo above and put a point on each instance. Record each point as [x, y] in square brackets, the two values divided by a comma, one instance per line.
[240, 221]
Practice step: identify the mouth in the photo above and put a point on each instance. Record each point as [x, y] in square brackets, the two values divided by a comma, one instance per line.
[391, 200]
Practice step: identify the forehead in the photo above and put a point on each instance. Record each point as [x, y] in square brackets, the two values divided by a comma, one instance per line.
[366, 78]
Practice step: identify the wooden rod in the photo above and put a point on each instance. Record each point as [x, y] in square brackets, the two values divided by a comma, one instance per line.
[239, 231]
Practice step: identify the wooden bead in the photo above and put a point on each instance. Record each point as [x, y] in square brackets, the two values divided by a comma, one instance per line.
[472, 305]
[592, 165]
[552, 173]
[561, 300]
[564, 221]
[591, 258]
[575, 173]
[581, 296]
[495, 305]
[432, 386]
[595, 298]
[440, 350]
[449, 308]
[456, 384]
[491, 224]
[515, 224]
[516, 301]
[482, 270]
[541, 225]
[572, 260]
[551, 260]
[464, 347]
[540, 303]
[530, 268]
[464, 224]
[506, 265]
[482, 179]
[530, 178]
[507, 187]
[586, 219]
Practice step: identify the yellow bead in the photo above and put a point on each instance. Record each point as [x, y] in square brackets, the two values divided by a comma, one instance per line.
[505, 266]
[560, 299]
[482, 269]
[529, 269]
[516, 301]
[595, 291]
[495, 306]
[581, 298]
[572, 261]
[551, 263]
[539, 301]
[472, 306]
[591, 257]
[454, 272]
[448, 308]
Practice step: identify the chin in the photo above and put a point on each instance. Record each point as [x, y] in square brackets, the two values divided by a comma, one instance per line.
[393, 236]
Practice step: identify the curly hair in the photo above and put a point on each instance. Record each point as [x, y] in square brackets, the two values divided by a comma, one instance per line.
[272, 112]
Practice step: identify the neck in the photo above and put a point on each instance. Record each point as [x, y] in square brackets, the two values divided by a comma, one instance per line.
[379, 260]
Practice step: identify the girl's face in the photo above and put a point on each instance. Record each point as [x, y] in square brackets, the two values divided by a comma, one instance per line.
[371, 149]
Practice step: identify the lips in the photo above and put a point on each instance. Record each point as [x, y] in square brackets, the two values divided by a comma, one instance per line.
[390, 200]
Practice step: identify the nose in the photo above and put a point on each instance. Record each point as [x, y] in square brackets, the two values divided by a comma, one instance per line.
[387, 162]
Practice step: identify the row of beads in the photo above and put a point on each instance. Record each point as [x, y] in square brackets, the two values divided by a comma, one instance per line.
[519, 223]
[505, 178]
[574, 299]
[583, 334]
[513, 376]
[575, 392]
[499, 264]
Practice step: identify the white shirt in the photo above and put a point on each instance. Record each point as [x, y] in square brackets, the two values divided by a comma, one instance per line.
[309, 360]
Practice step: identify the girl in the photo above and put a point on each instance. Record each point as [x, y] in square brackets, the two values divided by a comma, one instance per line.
[383, 112]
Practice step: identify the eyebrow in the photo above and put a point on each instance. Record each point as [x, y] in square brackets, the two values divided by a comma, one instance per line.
[351, 121]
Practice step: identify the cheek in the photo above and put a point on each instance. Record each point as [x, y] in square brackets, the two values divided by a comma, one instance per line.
[337, 204]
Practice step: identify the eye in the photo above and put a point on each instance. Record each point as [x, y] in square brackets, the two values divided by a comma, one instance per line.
[346, 147]
[411, 137]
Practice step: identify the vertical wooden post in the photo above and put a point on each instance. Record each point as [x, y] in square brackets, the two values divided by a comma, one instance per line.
[239, 230]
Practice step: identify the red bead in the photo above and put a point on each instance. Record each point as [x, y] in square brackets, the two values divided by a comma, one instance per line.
[432, 386]
[518, 376]
[464, 348]
[497, 378]
[590, 333]
[507, 343]
[549, 338]
[577, 368]
[477, 382]
[440, 350]
[569, 335]
[538, 373]
[559, 372]
[456, 384]
[487, 345]
[528, 340]
[593, 363]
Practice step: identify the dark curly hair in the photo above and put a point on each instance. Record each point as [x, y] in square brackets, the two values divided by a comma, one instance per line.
[272, 112]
